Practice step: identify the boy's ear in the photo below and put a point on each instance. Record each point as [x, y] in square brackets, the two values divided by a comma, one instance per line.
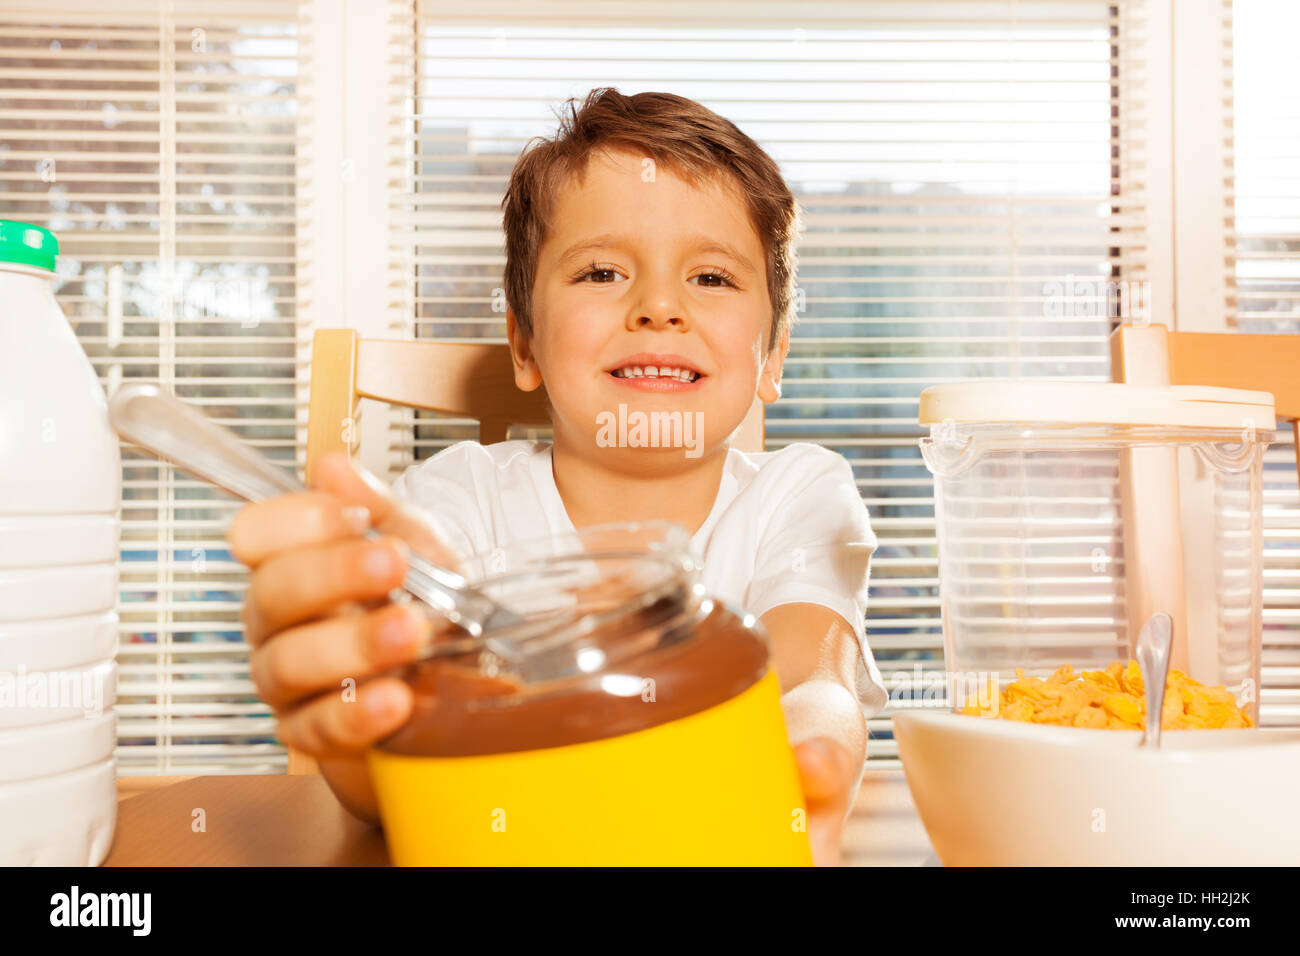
[527, 375]
[769, 379]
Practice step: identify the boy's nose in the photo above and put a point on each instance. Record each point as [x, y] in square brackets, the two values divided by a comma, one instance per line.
[658, 320]
[657, 304]
[656, 314]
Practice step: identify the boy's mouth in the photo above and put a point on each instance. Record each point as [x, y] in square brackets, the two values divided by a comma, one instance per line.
[656, 373]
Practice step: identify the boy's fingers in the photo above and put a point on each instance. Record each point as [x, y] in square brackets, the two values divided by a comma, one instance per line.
[302, 661]
[826, 775]
[297, 586]
[825, 841]
[342, 723]
[264, 528]
[335, 473]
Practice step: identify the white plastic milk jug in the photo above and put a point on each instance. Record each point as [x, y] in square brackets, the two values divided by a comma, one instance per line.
[60, 493]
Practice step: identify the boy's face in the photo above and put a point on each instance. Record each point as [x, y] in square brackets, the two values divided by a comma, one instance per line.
[636, 262]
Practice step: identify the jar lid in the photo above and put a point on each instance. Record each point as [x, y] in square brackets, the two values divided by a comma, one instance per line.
[1096, 403]
[27, 244]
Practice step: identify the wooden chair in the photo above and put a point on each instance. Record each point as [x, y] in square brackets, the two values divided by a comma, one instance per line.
[1152, 355]
[1160, 573]
[471, 380]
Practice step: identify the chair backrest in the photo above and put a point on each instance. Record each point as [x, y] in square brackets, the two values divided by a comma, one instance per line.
[469, 380]
[1160, 575]
[1152, 355]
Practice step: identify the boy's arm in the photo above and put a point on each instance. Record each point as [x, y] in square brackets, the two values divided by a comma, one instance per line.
[815, 654]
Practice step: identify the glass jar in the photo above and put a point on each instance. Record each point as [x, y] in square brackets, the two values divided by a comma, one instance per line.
[642, 726]
[1068, 513]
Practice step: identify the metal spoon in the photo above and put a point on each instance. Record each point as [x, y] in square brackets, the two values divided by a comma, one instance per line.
[1153, 646]
[152, 418]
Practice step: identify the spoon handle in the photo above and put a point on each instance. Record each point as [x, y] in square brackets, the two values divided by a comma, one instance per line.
[151, 417]
[1153, 647]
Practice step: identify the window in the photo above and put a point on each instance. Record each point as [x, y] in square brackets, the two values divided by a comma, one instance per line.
[158, 141]
[1265, 97]
[979, 180]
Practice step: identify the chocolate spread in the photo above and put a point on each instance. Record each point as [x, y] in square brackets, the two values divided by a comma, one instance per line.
[460, 711]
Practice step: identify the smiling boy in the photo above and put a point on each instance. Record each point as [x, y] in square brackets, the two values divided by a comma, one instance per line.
[650, 271]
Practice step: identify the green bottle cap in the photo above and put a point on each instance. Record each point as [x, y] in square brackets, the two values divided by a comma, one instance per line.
[27, 244]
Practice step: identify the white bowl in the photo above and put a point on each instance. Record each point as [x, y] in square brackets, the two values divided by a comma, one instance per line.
[1007, 793]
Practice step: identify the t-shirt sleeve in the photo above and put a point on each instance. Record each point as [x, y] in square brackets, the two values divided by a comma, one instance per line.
[816, 549]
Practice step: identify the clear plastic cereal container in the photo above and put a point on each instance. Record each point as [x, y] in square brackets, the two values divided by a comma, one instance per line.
[1069, 513]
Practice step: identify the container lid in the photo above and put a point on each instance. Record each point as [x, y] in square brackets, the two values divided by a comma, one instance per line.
[27, 244]
[1096, 403]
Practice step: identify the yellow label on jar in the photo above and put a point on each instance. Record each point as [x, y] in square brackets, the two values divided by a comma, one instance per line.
[716, 788]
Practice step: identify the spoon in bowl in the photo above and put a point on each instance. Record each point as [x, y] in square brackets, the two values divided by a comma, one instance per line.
[1153, 646]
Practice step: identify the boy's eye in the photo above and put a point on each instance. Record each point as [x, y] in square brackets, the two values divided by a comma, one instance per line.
[599, 274]
[715, 280]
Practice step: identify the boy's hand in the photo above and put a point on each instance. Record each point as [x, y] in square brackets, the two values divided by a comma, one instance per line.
[828, 774]
[315, 613]
[815, 654]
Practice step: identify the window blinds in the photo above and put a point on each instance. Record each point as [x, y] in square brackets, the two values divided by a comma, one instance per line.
[1265, 158]
[158, 141]
[972, 180]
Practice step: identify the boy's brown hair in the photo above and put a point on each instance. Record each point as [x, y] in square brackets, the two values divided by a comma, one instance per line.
[678, 134]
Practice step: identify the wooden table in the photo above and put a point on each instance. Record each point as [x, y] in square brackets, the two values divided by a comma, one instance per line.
[283, 820]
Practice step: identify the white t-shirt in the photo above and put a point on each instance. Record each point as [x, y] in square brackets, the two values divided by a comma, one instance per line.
[787, 526]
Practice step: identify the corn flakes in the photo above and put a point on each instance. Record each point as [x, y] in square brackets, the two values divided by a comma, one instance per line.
[1114, 698]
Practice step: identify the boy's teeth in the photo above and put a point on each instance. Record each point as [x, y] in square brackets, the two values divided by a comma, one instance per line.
[661, 371]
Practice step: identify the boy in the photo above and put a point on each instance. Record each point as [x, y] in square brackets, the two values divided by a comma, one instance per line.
[650, 265]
